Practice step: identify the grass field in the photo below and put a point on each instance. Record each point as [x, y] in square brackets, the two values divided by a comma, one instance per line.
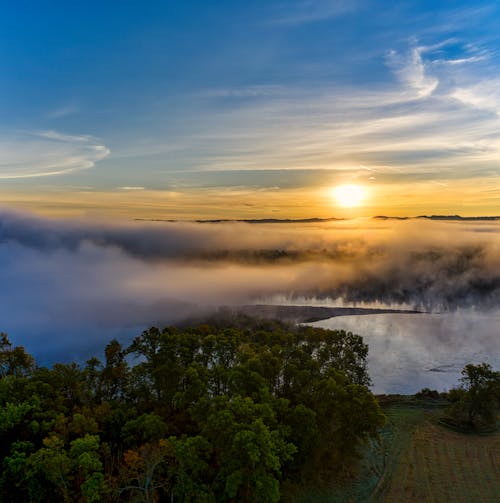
[441, 465]
[418, 460]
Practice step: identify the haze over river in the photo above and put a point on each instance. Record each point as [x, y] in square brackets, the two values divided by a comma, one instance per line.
[408, 352]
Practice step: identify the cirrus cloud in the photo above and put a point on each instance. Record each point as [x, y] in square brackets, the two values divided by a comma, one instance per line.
[47, 153]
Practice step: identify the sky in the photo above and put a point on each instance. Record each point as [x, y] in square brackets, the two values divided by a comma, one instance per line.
[260, 109]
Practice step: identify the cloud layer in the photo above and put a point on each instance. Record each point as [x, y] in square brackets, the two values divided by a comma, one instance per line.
[78, 283]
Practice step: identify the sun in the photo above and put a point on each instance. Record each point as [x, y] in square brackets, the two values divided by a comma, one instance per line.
[349, 196]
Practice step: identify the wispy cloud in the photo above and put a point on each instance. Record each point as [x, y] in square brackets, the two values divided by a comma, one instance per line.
[63, 111]
[483, 95]
[56, 135]
[427, 116]
[461, 61]
[412, 72]
[47, 153]
[253, 91]
[306, 11]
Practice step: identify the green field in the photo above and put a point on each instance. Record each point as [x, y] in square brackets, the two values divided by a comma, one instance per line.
[418, 460]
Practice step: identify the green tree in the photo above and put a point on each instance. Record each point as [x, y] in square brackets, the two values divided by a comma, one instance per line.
[191, 469]
[143, 429]
[246, 406]
[14, 360]
[249, 448]
[13, 477]
[479, 401]
[114, 375]
[48, 472]
[87, 467]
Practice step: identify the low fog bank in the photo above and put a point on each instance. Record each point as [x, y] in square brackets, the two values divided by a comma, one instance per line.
[70, 285]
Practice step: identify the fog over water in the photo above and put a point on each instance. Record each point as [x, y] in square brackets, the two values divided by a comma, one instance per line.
[68, 286]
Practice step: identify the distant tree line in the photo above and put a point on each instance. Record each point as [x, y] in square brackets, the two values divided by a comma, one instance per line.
[212, 413]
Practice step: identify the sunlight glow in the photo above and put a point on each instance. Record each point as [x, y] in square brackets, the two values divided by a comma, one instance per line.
[349, 196]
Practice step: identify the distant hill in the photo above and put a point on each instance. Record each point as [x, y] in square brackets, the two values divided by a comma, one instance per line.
[250, 220]
[441, 217]
[321, 220]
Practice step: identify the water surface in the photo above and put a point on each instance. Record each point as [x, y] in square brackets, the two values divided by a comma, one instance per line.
[408, 352]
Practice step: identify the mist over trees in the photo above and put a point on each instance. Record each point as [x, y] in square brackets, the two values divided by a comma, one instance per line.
[207, 413]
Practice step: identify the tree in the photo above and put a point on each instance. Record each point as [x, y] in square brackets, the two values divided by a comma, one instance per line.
[143, 429]
[191, 469]
[114, 375]
[48, 471]
[478, 399]
[482, 387]
[13, 479]
[207, 413]
[249, 447]
[86, 463]
[14, 361]
[142, 470]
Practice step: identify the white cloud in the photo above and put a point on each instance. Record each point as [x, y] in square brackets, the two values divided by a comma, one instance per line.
[412, 72]
[47, 153]
[55, 135]
[484, 95]
[461, 61]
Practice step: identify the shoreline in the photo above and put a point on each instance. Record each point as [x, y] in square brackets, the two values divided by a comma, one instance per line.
[310, 314]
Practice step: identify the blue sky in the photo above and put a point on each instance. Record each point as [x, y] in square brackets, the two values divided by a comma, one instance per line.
[121, 97]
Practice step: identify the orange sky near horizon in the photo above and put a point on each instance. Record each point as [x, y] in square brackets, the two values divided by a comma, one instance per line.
[394, 199]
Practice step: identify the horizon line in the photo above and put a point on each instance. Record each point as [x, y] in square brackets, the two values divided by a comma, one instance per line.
[320, 220]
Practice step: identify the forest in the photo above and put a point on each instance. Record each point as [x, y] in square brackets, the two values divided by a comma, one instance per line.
[229, 410]
[209, 413]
